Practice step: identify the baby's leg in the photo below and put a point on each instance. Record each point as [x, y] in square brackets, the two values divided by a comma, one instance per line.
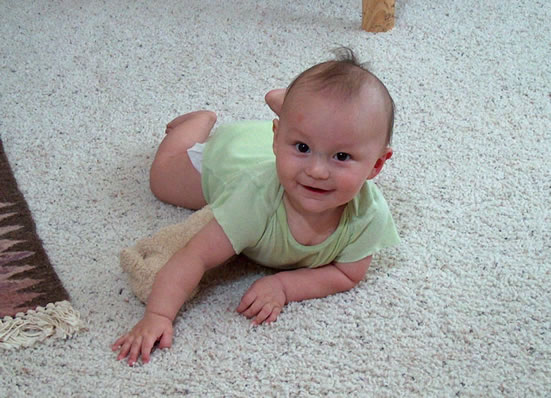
[173, 179]
[275, 98]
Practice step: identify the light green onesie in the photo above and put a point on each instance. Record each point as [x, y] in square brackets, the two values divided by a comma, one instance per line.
[240, 184]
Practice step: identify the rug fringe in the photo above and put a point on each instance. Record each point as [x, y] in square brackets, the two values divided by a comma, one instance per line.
[57, 320]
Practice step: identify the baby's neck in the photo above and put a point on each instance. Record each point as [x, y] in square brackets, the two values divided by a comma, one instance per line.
[312, 229]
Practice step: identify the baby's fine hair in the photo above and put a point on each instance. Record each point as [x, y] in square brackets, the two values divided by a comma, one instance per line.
[344, 76]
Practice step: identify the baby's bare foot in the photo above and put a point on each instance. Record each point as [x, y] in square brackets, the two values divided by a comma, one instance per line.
[171, 126]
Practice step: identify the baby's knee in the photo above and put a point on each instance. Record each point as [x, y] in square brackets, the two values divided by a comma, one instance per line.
[157, 180]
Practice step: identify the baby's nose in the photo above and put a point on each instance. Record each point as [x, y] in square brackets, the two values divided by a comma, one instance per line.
[318, 168]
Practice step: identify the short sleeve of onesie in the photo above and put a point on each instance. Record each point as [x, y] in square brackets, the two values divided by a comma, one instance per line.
[239, 180]
[370, 225]
[244, 220]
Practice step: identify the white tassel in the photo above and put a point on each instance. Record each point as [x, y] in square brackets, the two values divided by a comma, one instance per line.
[58, 320]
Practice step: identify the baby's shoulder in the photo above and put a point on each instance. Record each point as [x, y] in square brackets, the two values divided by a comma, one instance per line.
[258, 185]
[369, 199]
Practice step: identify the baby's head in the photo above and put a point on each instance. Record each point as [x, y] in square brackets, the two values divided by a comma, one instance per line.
[345, 80]
[333, 134]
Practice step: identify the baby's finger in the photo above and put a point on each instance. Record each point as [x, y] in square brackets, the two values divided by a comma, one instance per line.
[262, 315]
[124, 350]
[254, 309]
[147, 345]
[273, 316]
[246, 302]
[117, 344]
[135, 351]
[166, 340]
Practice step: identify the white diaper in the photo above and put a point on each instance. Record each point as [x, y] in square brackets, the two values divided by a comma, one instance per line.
[195, 154]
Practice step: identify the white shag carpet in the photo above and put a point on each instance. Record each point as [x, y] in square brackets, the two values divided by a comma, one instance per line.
[461, 308]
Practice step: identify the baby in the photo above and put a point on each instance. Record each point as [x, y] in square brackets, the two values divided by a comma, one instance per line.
[294, 194]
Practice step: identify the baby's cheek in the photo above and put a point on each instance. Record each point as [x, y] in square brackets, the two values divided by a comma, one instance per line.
[349, 186]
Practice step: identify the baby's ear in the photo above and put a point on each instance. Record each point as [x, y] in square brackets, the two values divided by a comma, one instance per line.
[275, 125]
[387, 154]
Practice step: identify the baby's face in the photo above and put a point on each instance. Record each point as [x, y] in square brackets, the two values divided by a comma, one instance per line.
[327, 148]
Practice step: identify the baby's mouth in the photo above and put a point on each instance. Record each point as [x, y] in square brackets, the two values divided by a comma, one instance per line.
[315, 190]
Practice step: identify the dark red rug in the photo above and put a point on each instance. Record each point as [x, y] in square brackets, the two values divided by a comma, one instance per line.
[34, 305]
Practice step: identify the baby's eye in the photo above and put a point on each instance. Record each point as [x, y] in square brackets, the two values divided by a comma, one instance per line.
[302, 147]
[342, 156]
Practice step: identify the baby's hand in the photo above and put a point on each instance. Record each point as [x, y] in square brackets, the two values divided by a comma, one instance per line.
[140, 340]
[264, 300]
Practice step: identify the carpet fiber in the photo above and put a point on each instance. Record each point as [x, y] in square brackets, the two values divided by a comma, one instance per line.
[461, 307]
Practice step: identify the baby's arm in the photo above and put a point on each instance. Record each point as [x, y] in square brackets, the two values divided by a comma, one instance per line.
[173, 285]
[266, 297]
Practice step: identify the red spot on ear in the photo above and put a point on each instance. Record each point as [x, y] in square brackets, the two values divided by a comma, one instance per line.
[378, 163]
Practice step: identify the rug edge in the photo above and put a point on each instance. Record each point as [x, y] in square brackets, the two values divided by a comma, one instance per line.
[57, 320]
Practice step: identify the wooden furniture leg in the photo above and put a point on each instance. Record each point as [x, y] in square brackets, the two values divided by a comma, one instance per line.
[377, 15]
